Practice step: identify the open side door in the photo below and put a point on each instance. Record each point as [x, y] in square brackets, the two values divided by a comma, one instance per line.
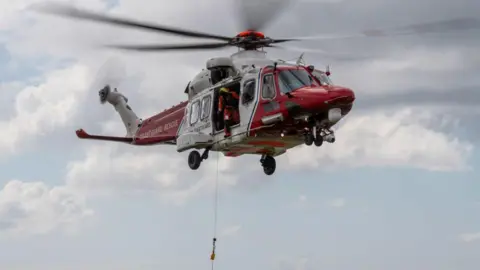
[198, 128]
[248, 101]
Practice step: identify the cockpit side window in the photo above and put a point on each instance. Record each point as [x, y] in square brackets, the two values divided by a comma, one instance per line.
[268, 88]
[322, 77]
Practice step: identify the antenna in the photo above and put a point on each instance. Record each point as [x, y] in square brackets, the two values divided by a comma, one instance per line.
[327, 72]
[300, 60]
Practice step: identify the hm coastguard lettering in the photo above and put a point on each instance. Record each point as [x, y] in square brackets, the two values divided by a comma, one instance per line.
[159, 129]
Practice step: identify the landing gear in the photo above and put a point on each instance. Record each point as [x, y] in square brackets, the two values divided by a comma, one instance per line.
[269, 164]
[318, 137]
[195, 159]
[318, 140]
[309, 138]
[321, 135]
[329, 136]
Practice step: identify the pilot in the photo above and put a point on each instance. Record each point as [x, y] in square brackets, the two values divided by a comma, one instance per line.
[228, 103]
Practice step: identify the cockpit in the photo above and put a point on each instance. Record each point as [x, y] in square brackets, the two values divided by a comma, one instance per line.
[291, 79]
[322, 77]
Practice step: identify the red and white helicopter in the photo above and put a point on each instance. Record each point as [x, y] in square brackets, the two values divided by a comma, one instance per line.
[282, 105]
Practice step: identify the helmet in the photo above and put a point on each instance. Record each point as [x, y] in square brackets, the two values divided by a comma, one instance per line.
[223, 90]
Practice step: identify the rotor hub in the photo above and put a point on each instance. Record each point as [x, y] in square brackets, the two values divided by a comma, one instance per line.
[251, 33]
[250, 40]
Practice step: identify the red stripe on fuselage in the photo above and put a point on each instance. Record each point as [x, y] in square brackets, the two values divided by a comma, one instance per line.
[164, 124]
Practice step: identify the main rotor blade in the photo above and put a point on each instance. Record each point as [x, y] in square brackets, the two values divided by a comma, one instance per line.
[112, 72]
[146, 48]
[66, 11]
[332, 55]
[255, 15]
[460, 24]
[283, 40]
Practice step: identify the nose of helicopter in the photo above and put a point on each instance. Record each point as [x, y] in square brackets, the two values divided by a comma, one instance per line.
[320, 99]
[340, 92]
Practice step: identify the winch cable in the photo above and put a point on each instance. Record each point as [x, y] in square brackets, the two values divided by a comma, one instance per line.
[215, 214]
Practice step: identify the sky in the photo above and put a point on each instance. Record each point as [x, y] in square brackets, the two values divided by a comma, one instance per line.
[397, 190]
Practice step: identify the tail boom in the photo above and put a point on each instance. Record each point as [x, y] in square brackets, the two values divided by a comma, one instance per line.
[166, 139]
[161, 128]
[82, 134]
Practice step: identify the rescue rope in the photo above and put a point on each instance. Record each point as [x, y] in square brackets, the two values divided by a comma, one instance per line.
[215, 214]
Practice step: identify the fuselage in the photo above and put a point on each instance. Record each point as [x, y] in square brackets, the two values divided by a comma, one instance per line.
[299, 99]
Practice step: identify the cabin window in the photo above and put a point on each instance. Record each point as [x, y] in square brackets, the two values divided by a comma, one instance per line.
[268, 88]
[194, 112]
[248, 92]
[206, 106]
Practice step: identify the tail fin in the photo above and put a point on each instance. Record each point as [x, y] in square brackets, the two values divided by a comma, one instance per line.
[119, 102]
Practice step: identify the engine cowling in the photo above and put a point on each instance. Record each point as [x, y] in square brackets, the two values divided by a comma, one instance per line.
[220, 63]
[200, 82]
[217, 69]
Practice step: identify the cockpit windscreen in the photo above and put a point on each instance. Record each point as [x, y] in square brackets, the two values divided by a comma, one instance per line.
[292, 79]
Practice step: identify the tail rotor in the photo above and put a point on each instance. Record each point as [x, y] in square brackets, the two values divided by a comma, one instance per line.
[103, 94]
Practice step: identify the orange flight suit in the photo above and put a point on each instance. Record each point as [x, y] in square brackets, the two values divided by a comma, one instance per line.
[228, 102]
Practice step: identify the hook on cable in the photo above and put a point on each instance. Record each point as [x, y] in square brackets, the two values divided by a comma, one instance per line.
[212, 257]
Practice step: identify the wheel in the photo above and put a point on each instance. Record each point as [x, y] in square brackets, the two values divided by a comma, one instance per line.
[269, 165]
[318, 140]
[330, 138]
[309, 139]
[194, 160]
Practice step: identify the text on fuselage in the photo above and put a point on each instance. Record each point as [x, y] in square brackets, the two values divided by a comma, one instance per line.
[159, 129]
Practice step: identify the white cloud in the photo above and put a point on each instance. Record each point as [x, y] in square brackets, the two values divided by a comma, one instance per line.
[39, 109]
[378, 138]
[338, 202]
[154, 82]
[231, 230]
[409, 70]
[113, 169]
[470, 237]
[34, 208]
[301, 264]
[293, 264]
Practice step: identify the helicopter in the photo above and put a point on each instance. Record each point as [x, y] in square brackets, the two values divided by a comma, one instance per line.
[281, 104]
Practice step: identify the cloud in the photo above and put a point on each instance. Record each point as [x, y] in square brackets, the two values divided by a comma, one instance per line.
[393, 139]
[39, 109]
[51, 105]
[116, 169]
[338, 202]
[403, 64]
[230, 231]
[293, 264]
[470, 237]
[34, 208]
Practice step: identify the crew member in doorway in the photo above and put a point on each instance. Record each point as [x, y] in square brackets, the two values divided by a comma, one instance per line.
[228, 103]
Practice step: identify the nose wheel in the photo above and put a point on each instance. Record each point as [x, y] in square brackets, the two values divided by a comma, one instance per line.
[269, 164]
[309, 138]
[320, 136]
